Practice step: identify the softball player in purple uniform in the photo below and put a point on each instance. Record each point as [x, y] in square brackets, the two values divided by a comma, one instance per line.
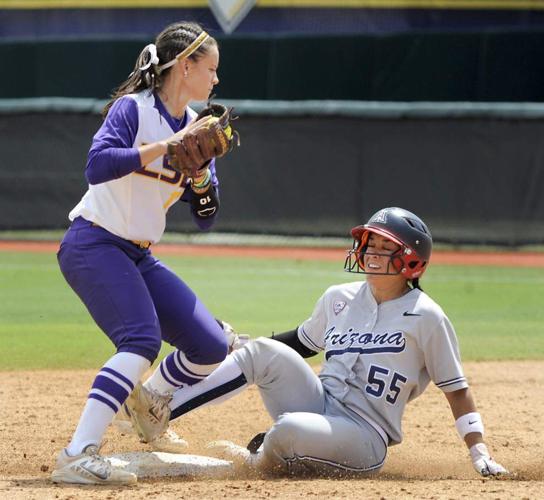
[105, 255]
[384, 340]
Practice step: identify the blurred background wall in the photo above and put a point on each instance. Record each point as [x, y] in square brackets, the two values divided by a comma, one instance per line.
[345, 107]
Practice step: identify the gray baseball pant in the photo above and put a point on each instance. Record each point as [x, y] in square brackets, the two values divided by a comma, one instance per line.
[313, 433]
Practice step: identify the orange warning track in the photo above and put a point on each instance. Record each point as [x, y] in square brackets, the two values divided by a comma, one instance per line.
[515, 259]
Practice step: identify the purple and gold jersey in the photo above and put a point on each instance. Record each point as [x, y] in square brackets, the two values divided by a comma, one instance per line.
[378, 357]
[128, 199]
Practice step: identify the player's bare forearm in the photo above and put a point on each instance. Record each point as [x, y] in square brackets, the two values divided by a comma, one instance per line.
[461, 402]
[471, 428]
[150, 152]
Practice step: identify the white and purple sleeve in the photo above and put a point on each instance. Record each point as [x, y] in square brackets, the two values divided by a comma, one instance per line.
[112, 154]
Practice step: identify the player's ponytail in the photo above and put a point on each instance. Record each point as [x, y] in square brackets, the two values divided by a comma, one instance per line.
[141, 78]
[169, 44]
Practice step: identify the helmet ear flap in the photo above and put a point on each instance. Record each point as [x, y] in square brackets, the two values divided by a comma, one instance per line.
[397, 261]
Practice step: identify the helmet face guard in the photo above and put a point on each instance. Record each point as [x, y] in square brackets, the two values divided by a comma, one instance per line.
[403, 228]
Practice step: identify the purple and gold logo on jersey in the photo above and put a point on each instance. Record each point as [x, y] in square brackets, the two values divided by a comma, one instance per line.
[338, 306]
[363, 343]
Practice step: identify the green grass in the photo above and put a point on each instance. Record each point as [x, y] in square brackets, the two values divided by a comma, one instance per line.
[497, 312]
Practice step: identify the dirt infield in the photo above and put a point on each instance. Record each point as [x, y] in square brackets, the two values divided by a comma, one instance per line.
[519, 259]
[39, 411]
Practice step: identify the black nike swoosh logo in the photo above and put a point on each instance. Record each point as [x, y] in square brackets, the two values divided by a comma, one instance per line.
[470, 423]
[406, 313]
[103, 476]
[154, 415]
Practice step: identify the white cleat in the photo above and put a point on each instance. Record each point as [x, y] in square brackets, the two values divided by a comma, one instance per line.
[149, 412]
[89, 468]
[169, 442]
[240, 456]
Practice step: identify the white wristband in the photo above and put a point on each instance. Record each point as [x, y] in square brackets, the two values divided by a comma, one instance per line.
[470, 422]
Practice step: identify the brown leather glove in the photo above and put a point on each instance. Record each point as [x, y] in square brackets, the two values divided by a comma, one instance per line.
[212, 138]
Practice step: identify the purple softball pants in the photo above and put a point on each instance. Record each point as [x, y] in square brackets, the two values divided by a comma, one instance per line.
[135, 299]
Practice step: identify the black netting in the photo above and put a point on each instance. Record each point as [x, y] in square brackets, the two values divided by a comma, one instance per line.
[473, 180]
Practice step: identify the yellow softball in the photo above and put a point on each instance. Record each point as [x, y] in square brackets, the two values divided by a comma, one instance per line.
[227, 129]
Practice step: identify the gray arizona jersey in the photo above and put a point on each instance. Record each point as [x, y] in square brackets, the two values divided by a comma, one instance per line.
[379, 357]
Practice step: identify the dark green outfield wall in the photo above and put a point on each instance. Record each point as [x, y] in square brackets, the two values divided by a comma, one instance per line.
[491, 66]
[473, 173]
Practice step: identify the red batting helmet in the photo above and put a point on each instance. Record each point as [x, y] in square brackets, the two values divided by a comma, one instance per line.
[405, 229]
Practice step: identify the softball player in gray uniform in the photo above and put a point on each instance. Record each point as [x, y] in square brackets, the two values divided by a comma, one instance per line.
[384, 341]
